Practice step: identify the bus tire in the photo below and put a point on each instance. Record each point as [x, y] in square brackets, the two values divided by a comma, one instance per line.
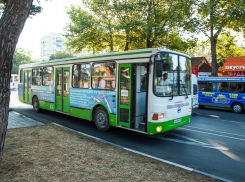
[237, 108]
[35, 104]
[101, 119]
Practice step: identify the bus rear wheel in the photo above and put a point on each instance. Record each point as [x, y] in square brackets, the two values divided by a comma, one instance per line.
[237, 108]
[101, 119]
[35, 104]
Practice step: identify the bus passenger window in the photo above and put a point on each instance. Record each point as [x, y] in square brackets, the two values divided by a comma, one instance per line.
[37, 76]
[81, 76]
[104, 76]
[48, 76]
[240, 88]
[233, 87]
[223, 87]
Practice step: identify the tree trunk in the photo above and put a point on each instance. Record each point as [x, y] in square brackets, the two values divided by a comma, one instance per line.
[11, 25]
[127, 41]
[214, 60]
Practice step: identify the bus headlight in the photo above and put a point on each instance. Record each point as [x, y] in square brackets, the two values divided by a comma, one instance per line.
[159, 128]
[189, 110]
[161, 116]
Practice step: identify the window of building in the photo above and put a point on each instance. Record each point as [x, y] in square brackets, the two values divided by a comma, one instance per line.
[37, 76]
[104, 76]
[48, 76]
[81, 76]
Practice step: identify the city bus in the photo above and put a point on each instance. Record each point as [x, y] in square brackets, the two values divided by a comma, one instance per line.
[223, 92]
[118, 89]
[194, 92]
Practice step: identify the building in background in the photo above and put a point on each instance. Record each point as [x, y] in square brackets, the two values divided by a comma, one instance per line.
[235, 66]
[200, 66]
[51, 44]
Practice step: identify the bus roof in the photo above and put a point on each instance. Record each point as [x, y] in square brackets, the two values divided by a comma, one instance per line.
[133, 54]
[217, 79]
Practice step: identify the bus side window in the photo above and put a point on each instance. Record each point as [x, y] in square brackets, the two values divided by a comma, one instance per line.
[233, 87]
[240, 88]
[104, 76]
[201, 85]
[81, 76]
[223, 87]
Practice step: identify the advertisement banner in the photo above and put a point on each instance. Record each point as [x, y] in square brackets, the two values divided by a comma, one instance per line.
[87, 98]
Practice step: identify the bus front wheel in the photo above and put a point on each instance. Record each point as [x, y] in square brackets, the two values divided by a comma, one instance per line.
[101, 119]
[35, 104]
[237, 108]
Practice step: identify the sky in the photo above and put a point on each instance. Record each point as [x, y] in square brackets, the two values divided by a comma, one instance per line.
[52, 19]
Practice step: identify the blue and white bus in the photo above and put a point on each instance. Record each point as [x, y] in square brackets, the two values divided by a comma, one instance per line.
[224, 92]
[147, 90]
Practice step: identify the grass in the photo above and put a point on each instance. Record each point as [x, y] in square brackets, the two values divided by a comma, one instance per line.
[51, 153]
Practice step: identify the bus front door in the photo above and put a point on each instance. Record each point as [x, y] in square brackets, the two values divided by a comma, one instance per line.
[124, 93]
[27, 86]
[62, 90]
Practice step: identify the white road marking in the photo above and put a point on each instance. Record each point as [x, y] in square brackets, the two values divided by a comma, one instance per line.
[222, 120]
[212, 134]
[191, 141]
[213, 131]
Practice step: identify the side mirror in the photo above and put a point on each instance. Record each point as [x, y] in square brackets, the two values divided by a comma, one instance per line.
[159, 68]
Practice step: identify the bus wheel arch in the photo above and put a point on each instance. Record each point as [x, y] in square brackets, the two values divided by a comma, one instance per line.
[237, 107]
[35, 104]
[101, 118]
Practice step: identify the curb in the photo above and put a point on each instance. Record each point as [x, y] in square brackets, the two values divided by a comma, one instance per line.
[147, 155]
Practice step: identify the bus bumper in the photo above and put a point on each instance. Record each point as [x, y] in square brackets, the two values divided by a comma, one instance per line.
[155, 128]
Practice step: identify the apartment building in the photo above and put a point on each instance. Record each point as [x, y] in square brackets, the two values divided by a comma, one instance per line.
[50, 44]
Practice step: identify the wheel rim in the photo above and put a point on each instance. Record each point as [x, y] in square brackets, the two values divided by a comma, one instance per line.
[101, 119]
[237, 108]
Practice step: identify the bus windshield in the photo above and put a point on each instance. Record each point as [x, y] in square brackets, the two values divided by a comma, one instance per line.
[176, 76]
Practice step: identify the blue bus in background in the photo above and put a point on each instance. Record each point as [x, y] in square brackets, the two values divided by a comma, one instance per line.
[224, 92]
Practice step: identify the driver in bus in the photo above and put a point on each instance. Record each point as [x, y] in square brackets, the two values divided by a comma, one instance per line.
[163, 82]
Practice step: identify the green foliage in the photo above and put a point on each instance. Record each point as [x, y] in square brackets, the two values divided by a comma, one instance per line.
[127, 24]
[60, 55]
[20, 57]
[227, 47]
[214, 16]
[83, 31]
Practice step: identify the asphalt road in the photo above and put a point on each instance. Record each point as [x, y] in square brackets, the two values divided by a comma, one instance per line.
[214, 141]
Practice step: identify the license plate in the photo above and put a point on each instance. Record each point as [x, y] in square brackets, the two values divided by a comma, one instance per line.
[177, 121]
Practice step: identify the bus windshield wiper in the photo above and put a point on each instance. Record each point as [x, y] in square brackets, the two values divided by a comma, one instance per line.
[185, 91]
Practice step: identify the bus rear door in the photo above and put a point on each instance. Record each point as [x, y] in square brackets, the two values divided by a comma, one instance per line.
[62, 90]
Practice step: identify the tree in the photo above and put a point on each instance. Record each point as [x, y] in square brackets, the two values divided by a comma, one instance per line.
[83, 31]
[227, 47]
[126, 24]
[60, 55]
[20, 56]
[11, 25]
[214, 16]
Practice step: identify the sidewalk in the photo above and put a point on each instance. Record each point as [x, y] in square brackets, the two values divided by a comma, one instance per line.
[17, 120]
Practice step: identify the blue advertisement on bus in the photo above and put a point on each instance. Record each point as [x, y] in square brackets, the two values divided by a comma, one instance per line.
[87, 98]
[221, 97]
[44, 93]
